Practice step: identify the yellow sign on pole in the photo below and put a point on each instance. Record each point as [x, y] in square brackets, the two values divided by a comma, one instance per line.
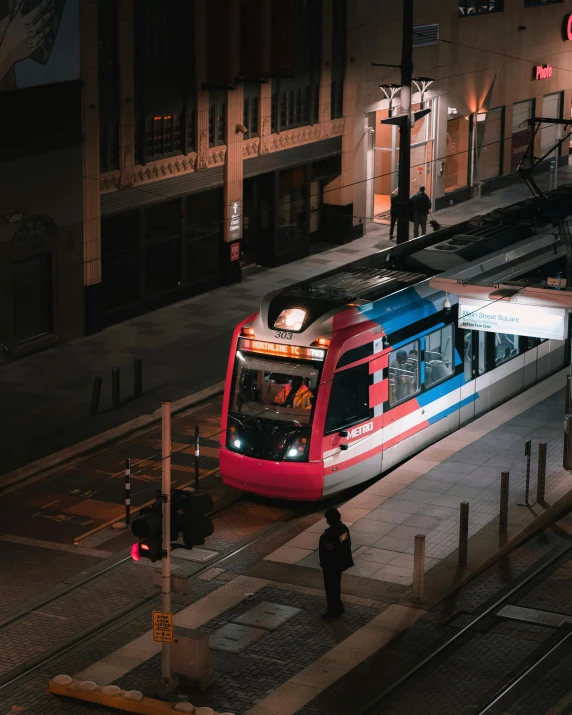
[162, 627]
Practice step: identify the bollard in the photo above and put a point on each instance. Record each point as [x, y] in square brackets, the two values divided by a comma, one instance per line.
[127, 491]
[95, 395]
[419, 568]
[137, 377]
[115, 397]
[527, 456]
[197, 458]
[541, 480]
[464, 534]
[503, 515]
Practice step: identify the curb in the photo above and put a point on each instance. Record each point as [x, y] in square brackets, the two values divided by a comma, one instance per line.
[99, 440]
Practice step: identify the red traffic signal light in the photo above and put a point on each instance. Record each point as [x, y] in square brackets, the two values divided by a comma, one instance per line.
[148, 528]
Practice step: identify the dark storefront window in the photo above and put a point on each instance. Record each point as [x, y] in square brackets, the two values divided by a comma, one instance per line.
[479, 7]
[32, 297]
[163, 224]
[292, 210]
[204, 234]
[120, 260]
[536, 3]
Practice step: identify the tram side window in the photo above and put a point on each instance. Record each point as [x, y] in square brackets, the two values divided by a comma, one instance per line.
[439, 362]
[506, 347]
[349, 398]
[404, 373]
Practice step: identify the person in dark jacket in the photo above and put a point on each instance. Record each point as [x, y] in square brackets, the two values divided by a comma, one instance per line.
[335, 558]
[421, 207]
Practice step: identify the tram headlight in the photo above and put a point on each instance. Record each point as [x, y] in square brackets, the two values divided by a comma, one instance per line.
[297, 450]
[234, 439]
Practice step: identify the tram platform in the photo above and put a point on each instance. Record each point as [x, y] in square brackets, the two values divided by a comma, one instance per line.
[184, 348]
[272, 652]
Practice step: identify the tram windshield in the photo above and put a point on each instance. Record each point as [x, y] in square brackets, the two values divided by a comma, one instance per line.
[274, 389]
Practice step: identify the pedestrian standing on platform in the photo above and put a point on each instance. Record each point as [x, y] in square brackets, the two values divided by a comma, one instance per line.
[421, 207]
[335, 558]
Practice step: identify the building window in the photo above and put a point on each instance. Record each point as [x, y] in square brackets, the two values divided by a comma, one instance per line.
[298, 107]
[163, 244]
[551, 133]
[404, 373]
[251, 110]
[191, 126]
[109, 147]
[349, 399]
[274, 113]
[337, 99]
[479, 7]
[217, 112]
[439, 362]
[162, 135]
[536, 3]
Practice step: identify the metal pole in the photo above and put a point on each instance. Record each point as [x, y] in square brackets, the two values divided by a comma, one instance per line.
[405, 127]
[197, 457]
[95, 395]
[541, 481]
[503, 515]
[166, 561]
[464, 534]
[115, 396]
[127, 491]
[527, 454]
[419, 568]
[137, 377]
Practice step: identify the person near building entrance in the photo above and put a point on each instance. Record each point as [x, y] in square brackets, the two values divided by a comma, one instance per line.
[393, 212]
[335, 558]
[421, 207]
[295, 394]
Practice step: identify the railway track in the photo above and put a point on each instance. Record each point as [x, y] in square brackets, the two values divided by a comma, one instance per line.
[531, 665]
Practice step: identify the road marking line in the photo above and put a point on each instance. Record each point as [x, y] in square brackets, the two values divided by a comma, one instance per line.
[84, 551]
[132, 655]
[333, 665]
[121, 509]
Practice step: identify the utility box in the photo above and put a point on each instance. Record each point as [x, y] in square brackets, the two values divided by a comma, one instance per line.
[567, 461]
[190, 658]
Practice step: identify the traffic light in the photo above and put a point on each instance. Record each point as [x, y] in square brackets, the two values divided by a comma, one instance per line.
[189, 515]
[148, 528]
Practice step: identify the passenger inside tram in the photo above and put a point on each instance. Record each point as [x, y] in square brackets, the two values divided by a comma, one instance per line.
[275, 390]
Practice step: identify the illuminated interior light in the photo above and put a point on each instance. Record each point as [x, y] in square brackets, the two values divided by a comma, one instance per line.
[290, 319]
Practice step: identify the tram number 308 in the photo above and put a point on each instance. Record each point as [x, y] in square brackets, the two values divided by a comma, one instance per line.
[283, 336]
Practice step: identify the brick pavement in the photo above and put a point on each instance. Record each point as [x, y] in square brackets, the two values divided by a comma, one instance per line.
[184, 348]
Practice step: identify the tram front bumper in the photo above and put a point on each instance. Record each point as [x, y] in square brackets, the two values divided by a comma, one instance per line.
[302, 481]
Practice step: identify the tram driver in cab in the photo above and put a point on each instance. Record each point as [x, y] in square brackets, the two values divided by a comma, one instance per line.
[295, 394]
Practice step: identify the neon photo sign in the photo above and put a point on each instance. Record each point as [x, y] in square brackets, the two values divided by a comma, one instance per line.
[542, 71]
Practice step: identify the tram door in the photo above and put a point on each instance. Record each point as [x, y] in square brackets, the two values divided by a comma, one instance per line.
[473, 402]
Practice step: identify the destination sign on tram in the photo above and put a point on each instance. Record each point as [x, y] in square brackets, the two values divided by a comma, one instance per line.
[288, 351]
[514, 318]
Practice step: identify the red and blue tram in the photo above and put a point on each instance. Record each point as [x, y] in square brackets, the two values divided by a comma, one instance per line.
[339, 378]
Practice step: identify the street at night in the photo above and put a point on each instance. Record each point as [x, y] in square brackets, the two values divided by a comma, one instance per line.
[266, 447]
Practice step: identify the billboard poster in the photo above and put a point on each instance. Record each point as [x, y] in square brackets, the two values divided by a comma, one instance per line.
[39, 42]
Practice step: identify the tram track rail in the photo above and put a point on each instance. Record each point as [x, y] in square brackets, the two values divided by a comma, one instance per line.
[550, 563]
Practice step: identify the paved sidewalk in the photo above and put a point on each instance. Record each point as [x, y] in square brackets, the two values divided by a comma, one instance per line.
[184, 347]
[272, 653]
